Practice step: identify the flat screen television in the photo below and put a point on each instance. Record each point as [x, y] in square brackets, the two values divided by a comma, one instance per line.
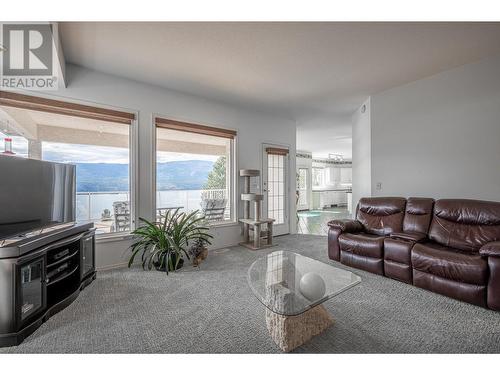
[34, 195]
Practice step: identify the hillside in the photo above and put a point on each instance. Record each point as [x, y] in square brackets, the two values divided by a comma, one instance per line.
[175, 175]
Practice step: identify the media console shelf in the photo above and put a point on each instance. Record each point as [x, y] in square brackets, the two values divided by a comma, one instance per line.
[40, 275]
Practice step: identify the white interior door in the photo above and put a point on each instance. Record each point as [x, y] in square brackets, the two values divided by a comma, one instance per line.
[275, 187]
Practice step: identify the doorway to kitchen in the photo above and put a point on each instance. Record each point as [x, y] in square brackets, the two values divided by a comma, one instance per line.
[324, 191]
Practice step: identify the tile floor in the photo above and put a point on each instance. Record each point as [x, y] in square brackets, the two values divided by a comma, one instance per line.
[315, 221]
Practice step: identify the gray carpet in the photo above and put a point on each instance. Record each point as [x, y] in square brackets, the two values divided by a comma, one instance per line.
[212, 310]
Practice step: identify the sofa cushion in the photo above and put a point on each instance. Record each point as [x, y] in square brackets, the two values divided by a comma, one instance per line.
[397, 250]
[373, 265]
[381, 215]
[470, 293]
[418, 215]
[409, 236]
[465, 224]
[449, 263]
[364, 244]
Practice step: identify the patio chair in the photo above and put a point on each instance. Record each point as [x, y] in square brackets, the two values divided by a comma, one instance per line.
[213, 209]
[122, 216]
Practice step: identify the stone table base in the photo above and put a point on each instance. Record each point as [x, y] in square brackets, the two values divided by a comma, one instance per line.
[290, 332]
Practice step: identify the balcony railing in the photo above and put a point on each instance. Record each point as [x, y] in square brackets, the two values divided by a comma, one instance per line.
[97, 207]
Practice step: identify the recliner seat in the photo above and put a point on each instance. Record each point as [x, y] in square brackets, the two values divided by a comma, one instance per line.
[361, 245]
[450, 262]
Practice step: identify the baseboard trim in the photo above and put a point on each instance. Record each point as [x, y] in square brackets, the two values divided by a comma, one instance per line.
[112, 266]
[125, 264]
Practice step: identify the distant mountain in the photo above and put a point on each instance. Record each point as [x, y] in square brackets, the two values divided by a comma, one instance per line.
[175, 175]
[94, 177]
[183, 175]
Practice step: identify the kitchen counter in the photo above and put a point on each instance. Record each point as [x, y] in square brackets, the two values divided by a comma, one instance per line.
[330, 197]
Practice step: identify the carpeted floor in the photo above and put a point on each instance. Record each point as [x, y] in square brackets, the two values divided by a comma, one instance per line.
[212, 310]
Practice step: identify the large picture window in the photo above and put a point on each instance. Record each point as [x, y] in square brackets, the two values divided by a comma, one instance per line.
[100, 149]
[194, 165]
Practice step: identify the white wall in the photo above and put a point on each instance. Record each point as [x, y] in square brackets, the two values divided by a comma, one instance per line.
[439, 136]
[361, 154]
[254, 128]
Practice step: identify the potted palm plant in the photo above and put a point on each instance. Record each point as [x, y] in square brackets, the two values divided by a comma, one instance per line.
[164, 244]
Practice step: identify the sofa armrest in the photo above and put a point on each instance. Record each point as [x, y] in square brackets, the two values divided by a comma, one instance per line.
[346, 225]
[337, 227]
[409, 236]
[491, 249]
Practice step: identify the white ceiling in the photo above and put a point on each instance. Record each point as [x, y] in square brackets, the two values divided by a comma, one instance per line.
[309, 72]
[322, 137]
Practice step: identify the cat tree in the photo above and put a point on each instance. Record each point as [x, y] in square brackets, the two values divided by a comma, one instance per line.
[257, 231]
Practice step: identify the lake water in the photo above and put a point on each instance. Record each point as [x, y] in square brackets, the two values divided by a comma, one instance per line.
[91, 206]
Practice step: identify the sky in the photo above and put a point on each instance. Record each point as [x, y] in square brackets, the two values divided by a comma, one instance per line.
[71, 153]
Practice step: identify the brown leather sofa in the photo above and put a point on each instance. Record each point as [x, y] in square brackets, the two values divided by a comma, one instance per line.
[450, 246]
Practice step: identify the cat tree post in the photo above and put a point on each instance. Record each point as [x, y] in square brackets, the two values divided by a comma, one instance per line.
[254, 224]
[246, 174]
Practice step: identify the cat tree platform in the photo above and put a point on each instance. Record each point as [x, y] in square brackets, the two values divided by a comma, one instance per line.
[258, 238]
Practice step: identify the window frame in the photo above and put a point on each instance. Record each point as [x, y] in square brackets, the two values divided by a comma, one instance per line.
[133, 185]
[232, 165]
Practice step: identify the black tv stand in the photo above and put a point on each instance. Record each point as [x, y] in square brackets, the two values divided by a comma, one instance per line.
[40, 275]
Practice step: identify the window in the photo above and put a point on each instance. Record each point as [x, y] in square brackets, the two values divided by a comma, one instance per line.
[302, 186]
[317, 177]
[99, 148]
[276, 187]
[194, 165]
[11, 142]
[302, 179]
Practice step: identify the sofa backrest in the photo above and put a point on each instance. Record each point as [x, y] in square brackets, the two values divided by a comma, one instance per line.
[418, 215]
[381, 215]
[465, 224]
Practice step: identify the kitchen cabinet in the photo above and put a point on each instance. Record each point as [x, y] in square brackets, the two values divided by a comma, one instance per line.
[333, 176]
[346, 175]
[329, 198]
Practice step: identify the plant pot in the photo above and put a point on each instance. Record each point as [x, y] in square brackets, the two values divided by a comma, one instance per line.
[174, 257]
[202, 255]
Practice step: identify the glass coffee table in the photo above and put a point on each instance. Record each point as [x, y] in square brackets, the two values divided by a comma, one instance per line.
[292, 287]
